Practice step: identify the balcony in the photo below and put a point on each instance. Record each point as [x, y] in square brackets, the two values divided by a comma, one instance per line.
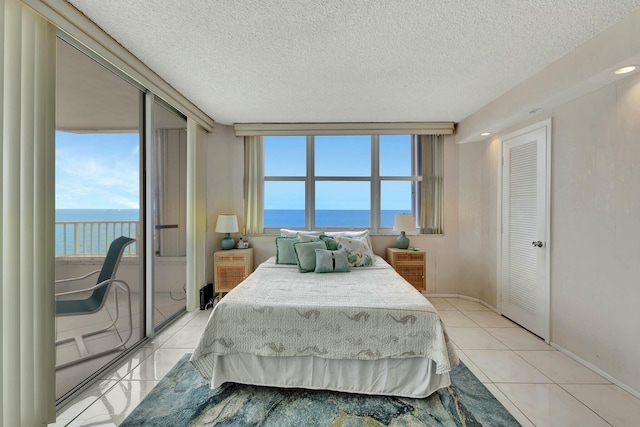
[80, 249]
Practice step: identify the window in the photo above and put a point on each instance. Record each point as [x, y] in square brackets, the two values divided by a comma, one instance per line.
[328, 181]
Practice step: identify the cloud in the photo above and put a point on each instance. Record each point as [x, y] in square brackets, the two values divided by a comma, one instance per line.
[93, 172]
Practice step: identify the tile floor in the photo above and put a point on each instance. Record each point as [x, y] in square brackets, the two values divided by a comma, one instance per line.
[166, 305]
[537, 384]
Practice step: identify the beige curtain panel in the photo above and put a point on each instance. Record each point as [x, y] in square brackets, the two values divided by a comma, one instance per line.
[432, 147]
[253, 185]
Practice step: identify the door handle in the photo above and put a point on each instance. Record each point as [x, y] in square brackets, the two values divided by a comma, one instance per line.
[538, 244]
[165, 226]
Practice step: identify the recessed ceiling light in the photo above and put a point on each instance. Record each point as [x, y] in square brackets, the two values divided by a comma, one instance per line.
[536, 111]
[625, 70]
[485, 134]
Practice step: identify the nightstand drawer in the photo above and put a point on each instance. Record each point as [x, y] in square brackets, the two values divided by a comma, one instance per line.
[241, 258]
[409, 256]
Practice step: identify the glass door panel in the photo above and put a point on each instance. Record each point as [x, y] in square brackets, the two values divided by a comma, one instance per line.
[169, 213]
[98, 199]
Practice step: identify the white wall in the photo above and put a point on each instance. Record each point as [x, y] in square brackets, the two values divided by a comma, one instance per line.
[477, 220]
[595, 227]
[225, 172]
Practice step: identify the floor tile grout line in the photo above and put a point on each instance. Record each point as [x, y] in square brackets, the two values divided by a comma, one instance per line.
[495, 384]
[512, 402]
[522, 358]
[550, 379]
[92, 402]
[584, 403]
[118, 381]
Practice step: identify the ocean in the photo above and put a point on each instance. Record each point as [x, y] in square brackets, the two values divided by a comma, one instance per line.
[328, 218]
[91, 238]
[273, 218]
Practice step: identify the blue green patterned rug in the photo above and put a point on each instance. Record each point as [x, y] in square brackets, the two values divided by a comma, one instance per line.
[183, 398]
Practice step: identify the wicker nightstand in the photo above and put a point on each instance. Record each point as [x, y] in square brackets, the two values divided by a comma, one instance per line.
[409, 264]
[231, 267]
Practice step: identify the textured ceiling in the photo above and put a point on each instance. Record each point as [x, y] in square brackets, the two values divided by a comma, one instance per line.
[350, 60]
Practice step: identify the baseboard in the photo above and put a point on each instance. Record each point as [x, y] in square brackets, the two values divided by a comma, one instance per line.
[595, 369]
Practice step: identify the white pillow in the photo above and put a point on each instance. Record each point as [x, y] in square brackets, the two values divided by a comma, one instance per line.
[359, 252]
[307, 237]
[285, 232]
[361, 233]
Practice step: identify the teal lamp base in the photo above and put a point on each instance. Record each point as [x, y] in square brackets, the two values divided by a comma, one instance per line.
[402, 242]
[228, 242]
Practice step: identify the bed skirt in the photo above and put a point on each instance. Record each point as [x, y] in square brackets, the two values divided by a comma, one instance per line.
[409, 377]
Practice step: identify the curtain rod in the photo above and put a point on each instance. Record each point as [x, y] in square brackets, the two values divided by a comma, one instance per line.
[340, 128]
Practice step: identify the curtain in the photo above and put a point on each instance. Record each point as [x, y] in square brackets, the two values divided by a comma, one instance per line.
[27, 256]
[253, 185]
[431, 147]
[196, 213]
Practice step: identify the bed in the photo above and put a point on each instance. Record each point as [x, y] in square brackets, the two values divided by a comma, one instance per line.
[366, 331]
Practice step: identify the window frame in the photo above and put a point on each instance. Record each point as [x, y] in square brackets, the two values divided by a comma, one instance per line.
[374, 179]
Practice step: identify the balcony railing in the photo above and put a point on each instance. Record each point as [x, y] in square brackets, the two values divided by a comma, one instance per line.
[92, 237]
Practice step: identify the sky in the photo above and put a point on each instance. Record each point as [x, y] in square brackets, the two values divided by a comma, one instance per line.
[97, 171]
[101, 171]
[350, 156]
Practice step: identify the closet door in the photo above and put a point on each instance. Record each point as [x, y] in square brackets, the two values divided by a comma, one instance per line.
[524, 260]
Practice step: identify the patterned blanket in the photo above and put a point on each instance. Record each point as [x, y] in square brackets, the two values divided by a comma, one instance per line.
[368, 313]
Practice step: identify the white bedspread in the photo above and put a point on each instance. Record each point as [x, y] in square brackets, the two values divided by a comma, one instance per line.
[369, 313]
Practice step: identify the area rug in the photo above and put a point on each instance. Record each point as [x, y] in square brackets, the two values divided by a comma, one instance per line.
[183, 398]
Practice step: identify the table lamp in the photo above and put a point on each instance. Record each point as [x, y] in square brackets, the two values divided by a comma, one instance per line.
[402, 223]
[227, 224]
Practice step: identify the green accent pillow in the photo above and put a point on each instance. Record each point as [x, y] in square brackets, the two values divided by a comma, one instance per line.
[284, 250]
[328, 261]
[332, 245]
[306, 254]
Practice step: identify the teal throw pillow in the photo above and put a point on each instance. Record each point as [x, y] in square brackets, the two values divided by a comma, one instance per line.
[332, 245]
[284, 250]
[306, 254]
[331, 261]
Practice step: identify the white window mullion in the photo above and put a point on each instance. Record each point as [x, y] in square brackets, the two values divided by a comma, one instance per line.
[310, 186]
[375, 183]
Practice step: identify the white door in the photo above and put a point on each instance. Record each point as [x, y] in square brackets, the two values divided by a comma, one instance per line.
[524, 243]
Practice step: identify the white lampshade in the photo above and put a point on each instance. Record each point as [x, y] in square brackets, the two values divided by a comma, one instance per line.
[227, 224]
[404, 222]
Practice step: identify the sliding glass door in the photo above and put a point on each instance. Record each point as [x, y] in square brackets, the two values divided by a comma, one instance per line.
[121, 170]
[98, 199]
